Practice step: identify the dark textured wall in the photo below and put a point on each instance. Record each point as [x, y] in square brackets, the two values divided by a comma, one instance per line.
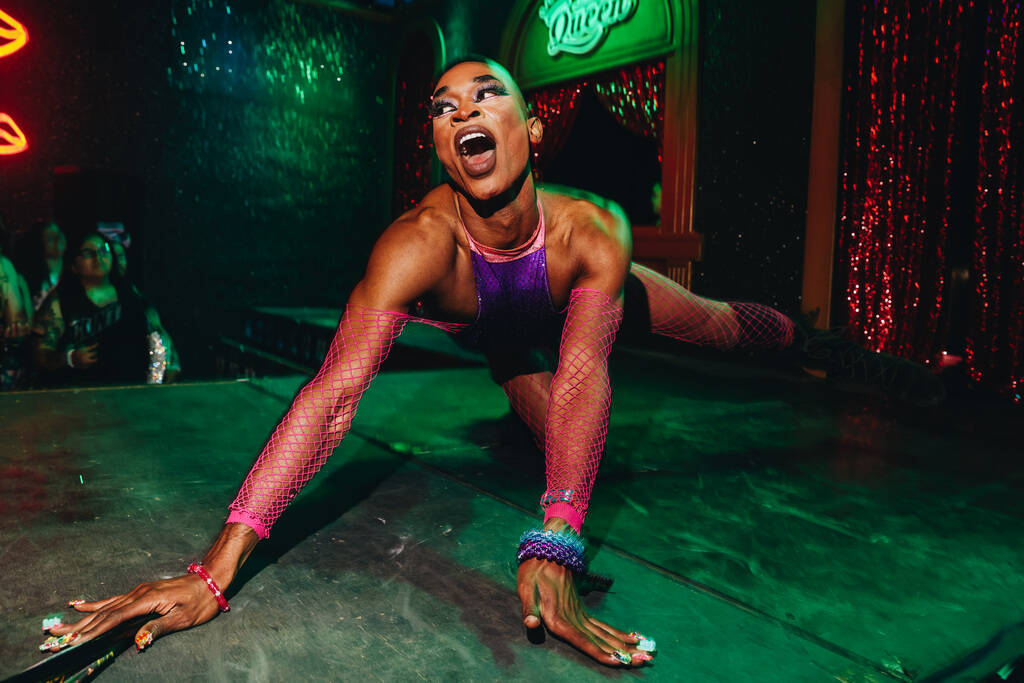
[473, 26]
[756, 81]
[259, 163]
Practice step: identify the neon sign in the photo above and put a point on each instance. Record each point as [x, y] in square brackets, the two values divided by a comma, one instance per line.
[577, 26]
[13, 35]
[12, 140]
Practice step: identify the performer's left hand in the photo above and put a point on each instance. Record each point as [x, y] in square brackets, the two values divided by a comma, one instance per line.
[548, 594]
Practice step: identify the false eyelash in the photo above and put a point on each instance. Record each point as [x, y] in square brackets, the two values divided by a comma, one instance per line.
[495, 88]
[435, 106]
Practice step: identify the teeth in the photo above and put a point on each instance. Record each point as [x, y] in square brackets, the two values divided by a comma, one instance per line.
[471, 136]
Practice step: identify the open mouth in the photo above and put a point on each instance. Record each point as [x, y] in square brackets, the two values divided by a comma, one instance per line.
[476, 148]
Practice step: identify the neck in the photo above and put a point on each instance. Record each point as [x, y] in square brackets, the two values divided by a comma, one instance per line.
[505, 226]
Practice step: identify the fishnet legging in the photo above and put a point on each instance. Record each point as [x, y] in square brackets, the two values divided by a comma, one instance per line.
[674, 312]
[679, 313]
[319, 417]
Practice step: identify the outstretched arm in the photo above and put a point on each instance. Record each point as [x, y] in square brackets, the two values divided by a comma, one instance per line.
[577, 417]
[319, 418]
[404, 265]
[576, 421]
[575, 430]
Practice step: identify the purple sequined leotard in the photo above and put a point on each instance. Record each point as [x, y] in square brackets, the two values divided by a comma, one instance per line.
[515, 313]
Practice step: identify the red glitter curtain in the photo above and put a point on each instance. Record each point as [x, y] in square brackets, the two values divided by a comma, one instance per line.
[634, 95]
[413, 131]
[996, 332]
[556, 108]
[901, 120]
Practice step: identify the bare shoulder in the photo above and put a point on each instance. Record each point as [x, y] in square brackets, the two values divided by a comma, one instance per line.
[596, 235]
[410, 258]
[419, 232]
[587, 220]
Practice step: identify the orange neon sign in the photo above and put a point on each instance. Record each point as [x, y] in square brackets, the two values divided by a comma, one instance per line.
[12, 140]
[13, 35]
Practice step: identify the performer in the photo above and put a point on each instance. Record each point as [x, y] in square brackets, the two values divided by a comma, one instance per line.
[537, 280]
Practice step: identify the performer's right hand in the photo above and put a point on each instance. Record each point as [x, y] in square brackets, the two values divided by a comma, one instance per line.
[182, 602]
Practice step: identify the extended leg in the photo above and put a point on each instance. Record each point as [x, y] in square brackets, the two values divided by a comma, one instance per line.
[679, 313]
[676, 312]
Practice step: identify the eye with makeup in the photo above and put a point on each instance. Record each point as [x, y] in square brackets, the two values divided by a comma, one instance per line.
[440, 107]
[496, 89]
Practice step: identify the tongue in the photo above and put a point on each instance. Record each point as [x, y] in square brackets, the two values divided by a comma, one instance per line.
[479, 164]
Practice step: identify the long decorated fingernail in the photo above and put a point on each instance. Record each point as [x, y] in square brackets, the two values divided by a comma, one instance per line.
[622, 656]
[52, 621]
[643, 642]
[57, 642]
[75, 603]
[642, 657]
[143, 640]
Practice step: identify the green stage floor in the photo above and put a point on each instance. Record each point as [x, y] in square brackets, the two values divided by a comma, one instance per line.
[762, 526]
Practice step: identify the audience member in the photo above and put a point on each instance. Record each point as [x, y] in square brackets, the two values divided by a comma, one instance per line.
[93, 327]
[14, 324]
[15, 316]
[40, 259]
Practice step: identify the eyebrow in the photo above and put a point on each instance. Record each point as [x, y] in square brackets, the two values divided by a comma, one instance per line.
[476, 79]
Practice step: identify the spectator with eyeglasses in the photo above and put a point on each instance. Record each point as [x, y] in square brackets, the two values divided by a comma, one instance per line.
[93, 328]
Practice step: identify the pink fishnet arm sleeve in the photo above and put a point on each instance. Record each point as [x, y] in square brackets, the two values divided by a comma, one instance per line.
[577, 418]
[319, 417]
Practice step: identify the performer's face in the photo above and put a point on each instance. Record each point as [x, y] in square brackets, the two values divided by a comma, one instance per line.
[482, 132]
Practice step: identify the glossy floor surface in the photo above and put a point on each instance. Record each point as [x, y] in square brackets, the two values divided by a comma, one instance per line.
[761, 525]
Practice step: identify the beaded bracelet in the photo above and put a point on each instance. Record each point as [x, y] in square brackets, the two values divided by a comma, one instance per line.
[561, 547]
[201, 572]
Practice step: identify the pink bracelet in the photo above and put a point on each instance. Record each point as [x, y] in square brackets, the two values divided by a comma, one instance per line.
[199, 571]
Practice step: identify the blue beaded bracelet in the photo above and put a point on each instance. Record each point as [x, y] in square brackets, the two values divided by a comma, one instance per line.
[561, 547]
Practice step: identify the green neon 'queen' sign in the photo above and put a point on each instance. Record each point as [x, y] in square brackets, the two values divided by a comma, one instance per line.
[577, 26]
